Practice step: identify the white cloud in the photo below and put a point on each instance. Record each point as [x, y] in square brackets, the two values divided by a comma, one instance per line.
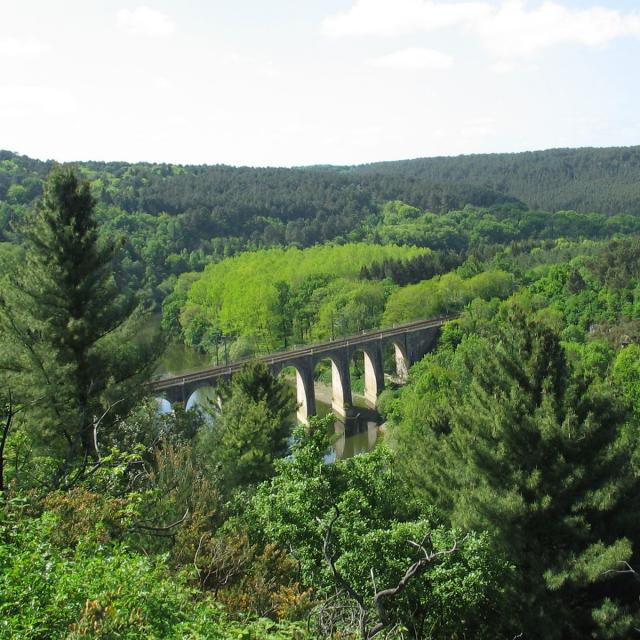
[414, 59]
[400, 17]
[510, 28]
[515, 30]
[143, 21]
[162, 83]
[28, 47]
[478, 127]
[259, 66]
[504, 66]
[477, 131]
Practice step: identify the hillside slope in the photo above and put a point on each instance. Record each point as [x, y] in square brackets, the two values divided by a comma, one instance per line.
[605, 180]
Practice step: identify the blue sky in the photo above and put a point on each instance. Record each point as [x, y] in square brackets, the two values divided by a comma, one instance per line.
[286, 83]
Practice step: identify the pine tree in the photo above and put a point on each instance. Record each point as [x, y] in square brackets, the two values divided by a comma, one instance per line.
[252, 428]
[535, 455]
[68, 334]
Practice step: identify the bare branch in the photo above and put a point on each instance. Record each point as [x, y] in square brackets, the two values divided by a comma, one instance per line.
[160, 529]
[628, 569]
[98, 422]
[339, 578]
[416, 569]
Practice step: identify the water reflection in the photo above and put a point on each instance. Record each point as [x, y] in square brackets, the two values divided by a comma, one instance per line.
[352, 439]
[178, 358]
[352, 436]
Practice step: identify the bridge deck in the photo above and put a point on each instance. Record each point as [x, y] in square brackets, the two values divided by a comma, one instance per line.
[292, 354]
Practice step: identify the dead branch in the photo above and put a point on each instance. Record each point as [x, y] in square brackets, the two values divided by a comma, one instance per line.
[628, 569]
[162, 529]
[415, 570]
[331, 561]
[98, 422]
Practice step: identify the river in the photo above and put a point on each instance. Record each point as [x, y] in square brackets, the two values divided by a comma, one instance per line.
[350, 437]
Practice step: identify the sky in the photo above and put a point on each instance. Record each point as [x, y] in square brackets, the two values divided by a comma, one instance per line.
[301, 82]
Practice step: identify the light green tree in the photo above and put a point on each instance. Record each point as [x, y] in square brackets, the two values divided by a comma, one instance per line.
[359, 537]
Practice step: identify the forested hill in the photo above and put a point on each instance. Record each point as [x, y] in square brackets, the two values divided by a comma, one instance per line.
[605, 180]
[175, 218]
[229, 201]
[586, 180]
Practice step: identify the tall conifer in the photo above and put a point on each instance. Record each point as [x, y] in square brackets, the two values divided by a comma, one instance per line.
[535, 455]
[68, 334]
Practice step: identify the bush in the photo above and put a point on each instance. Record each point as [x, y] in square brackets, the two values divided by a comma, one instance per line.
[105, 591]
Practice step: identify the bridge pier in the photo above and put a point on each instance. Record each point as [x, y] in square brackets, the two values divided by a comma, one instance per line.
[305, 393]
[341, 399]
[373, 374]
[177, 393]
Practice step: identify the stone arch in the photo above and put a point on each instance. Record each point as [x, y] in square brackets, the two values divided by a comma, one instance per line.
[164, 406]
[396, 360]
[402, 361]
[200, 395]
[302, 371]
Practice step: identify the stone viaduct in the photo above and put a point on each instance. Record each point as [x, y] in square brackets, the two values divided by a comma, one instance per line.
[410, 343]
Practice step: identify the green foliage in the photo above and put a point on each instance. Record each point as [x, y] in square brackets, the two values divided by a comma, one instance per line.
[524, 448]
[590, 296]
[604, 180]
[173, 303]
[514, 429]
[173, 219]
[104, 591]
[474, 228]
[443, 295]
[251, 428]
[372, 524]
[626, 372]
[618, 264]
[65, 327]
[349, 307]
[412, 270]
[276, 294]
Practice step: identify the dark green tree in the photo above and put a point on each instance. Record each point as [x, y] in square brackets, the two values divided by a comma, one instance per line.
[251, 428]
[284, 312]
[537, 456]
[69, 345]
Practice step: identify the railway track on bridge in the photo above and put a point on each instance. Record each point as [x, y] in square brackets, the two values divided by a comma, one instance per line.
[285, 356]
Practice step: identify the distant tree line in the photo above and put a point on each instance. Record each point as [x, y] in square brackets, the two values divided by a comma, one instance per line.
[585, 180]
[173, 219]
